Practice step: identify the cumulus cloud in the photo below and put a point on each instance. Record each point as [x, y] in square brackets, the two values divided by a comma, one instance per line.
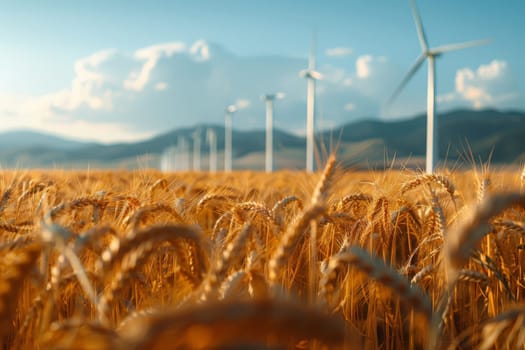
[150, 55]
[339, 52]
[365, 65]
[242, 103]
[490, 85]
[200, 50]
[90, 87]
[119, 96]
[486, 86]
[375, 77]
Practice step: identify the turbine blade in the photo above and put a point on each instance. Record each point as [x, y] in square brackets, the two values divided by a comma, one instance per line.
[316, 75]
[311, 61]
[460, 46]
[419, 26]
[408, 76]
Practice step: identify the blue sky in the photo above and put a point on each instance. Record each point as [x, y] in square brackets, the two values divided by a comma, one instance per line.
[124, 70]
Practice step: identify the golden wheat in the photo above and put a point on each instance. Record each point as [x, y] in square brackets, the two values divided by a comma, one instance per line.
[116, 259]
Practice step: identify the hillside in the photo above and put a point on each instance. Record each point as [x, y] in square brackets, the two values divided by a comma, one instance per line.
[484, 131]
[363, 143]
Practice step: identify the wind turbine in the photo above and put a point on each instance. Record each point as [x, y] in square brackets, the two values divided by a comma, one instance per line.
[196, 149]
[211, 138]
[269, 98]
[228, 137]
[183, 160]
[430, 54]
[311, 75]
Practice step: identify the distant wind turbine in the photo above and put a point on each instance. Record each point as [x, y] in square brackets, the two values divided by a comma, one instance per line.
[311, 75]
[228, 137]
[183, 160]
[167, 159]
[269, 98]
[196, 150]
[211, 138]
[430, 54]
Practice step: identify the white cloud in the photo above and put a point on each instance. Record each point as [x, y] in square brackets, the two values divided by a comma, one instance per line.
[99, 131]
[22, 112]
[86, 68]
[349, 107]
[339, 52]
[160, 86]
[138, 79]
[89, 87]
[364, 65]
[200, 50]
[116, 95]
[486, 86]
[242, 104]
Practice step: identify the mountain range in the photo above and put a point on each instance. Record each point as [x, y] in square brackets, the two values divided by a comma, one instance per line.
[467, 135]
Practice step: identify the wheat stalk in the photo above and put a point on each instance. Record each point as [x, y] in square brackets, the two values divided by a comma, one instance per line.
[441, 180]
[17, 264]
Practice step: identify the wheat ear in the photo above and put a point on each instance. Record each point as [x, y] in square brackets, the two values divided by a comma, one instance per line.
[468, 232]
[320, 191]
[289, 239]
[117, 251]
[247, 211]
[283, 203]
[506, 330]
[219, 271]
[440, 180]
[222, 323]
[140, 215]
[6, 196]
[75, 204]
[379, 271]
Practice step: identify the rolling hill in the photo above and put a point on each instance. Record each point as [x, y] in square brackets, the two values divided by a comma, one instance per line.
[364, 143]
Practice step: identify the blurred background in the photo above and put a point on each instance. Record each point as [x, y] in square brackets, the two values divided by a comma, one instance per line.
[136, 84]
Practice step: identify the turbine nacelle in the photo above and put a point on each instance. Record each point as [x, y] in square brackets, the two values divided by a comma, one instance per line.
[271, 97]
[310, 74]
[433, 53]
[231, 109]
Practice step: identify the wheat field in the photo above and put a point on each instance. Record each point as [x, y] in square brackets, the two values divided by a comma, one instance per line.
[289, 260]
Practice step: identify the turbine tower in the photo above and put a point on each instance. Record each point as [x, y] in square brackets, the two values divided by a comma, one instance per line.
[430, 53]
[269, 98]
[311, 76]
[211, 139]
[228, 137]
[196, 149]
[183, 157]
